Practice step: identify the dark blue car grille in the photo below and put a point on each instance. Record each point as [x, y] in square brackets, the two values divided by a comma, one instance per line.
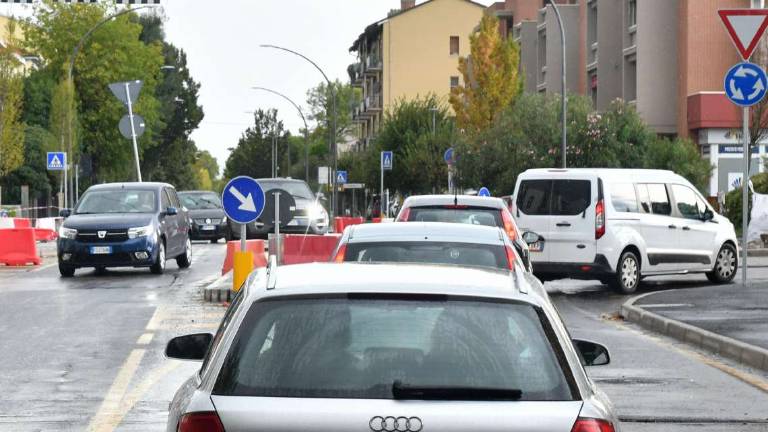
[92, 236]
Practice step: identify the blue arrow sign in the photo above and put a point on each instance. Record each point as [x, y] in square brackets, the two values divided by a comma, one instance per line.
[745, 84]
[484, 192]
[341, 177]
[243, 199]
[386, 160]
[448, 156]
[56, 161]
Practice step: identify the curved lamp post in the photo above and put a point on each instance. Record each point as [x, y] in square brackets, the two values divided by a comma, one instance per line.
[334, 157]
[306, 129]
[564, 95]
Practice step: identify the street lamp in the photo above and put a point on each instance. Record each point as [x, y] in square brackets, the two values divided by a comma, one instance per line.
[564, 95]
[334, 156]
[306, 129]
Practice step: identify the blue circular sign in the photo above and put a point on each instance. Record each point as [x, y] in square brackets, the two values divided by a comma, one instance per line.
[484, 192]
[448, 156]
[745, 84]
[243, 199]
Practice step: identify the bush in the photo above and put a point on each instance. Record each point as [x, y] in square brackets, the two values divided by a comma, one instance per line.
[733, 199]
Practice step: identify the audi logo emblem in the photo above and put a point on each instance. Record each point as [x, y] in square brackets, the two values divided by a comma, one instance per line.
[395, 424]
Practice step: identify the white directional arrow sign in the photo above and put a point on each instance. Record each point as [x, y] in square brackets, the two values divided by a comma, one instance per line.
[758, 87]
[246, 202]
[737, 94]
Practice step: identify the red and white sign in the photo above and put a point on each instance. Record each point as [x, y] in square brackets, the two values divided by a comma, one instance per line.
[746, 27]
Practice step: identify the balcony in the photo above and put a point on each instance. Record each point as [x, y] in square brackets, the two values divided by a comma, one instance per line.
[355, 71]
[373, 64]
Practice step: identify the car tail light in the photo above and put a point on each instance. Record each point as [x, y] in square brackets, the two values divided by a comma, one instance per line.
[340, 254]
[509, 224]
[207, 421]
[592, 425]
[510, 257]
[599, 219]
[404, 215]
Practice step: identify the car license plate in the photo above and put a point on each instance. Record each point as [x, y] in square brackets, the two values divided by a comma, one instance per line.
[101, 250]
[208, 228]
[536, 247]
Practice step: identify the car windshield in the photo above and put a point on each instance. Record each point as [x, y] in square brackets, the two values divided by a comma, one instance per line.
[118, 201]
[365, 347]
[465, 254]
[456, 214]
[196, 201]
[295, 188]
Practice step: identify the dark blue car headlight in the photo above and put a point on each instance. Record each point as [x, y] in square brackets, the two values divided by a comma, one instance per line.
[67, 233]
[145, 231]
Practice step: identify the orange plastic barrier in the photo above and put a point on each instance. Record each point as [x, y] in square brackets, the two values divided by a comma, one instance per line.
[300, 249]
[45, 234]
[22, 223]
[340, 223]
[255, 246]
[18, 247]
[376, 220]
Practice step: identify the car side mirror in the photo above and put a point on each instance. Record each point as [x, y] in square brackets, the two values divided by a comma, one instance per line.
[171, 211]
[592, 354]
[189, 347]
[531, 237]
[708, 215]
[65, 213]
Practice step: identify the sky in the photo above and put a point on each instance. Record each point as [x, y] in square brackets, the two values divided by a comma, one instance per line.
[222, 38]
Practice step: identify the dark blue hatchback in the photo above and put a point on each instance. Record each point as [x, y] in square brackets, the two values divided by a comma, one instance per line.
[125, 225]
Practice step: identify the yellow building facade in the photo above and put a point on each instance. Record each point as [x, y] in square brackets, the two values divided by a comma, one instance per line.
[413, 52]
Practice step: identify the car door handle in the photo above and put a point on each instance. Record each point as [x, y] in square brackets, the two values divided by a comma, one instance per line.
[685, 228]
[672, 227]
[563, 224]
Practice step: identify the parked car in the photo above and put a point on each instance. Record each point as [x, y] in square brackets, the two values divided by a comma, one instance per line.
[310, 216]
[125, 225]
[621, 225]
[428, 242]
[465, 209]
[207, 215]
[353, 347]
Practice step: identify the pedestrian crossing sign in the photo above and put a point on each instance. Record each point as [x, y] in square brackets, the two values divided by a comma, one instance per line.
[386, 160]
[57, 161]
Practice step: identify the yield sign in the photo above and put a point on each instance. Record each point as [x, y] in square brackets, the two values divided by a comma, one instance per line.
[746, 27]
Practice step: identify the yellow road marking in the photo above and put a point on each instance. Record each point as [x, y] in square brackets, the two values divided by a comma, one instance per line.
[145, 339]
[108, 410]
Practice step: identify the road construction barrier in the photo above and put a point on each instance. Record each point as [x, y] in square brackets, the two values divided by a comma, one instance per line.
[340, 223]
[376, 220]
[256, 247]
[18, 247]
[46, 229]
[300, 249]
[6, 222]
[22, 223]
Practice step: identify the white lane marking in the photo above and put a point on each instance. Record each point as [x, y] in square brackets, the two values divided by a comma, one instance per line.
[145, 339]
[666, 305]
[103, 419]
[47, 266]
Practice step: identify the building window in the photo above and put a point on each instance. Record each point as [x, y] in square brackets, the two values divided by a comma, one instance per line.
[454, 82]
[632, 12]
[454, 45]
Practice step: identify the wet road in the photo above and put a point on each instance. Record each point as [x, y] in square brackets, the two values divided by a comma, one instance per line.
[87, 353]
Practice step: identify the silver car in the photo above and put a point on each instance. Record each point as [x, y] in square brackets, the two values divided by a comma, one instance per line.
[372, 347]
[428, 242]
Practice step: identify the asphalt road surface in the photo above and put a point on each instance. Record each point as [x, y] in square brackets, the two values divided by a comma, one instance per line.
[87, 353]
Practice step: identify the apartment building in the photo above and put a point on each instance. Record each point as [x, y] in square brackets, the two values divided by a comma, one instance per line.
[666, 57]
[25, 62]
[412, 52]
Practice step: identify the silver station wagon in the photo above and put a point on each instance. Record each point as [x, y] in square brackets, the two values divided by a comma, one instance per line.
[378, 347]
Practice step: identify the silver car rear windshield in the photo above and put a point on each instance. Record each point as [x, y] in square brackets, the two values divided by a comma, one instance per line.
[465, 254]
[457, 214]
[363, 347]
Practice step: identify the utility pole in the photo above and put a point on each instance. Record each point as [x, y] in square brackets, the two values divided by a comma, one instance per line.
[564, 113]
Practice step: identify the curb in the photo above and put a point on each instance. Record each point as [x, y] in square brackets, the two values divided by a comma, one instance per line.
[756, 252]
[219, 290]
[733, 349]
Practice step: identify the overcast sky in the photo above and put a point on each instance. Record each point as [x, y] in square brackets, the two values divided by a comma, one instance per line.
[222, 37]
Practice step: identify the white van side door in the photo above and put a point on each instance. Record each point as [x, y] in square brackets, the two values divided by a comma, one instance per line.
[696, 237]
[659, 228]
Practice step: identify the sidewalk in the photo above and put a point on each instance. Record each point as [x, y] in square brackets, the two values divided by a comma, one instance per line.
[729, 320]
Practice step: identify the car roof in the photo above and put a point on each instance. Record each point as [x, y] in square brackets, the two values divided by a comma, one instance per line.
[614, 174]
[130, 185]
[425, 231]
[281, 180]
[374, 278]
[467, 200]
[197, 192]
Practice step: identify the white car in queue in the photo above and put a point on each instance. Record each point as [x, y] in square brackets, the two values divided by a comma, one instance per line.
[621, 225]
[429, 243]
[377, 347]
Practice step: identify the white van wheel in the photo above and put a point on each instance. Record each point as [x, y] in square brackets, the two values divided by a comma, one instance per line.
[627, 276]
[725, 265]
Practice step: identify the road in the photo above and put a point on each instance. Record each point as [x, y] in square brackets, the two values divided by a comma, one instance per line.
[87, 353]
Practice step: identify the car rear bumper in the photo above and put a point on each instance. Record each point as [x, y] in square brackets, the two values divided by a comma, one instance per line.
[218, 231]
[76, 253]
[299, 225]
[591, 270]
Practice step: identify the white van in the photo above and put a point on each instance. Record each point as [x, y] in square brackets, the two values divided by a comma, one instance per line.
[621, 225]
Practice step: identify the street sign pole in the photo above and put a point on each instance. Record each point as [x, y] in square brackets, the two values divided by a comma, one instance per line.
[745, 192]
[381, 191]
[66, 203]
[133, 132]
[278, 244]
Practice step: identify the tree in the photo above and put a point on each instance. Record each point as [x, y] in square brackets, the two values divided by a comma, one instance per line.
[252, 156]
[320, 104]
[11, 94]
[33, 173]
[491, 77]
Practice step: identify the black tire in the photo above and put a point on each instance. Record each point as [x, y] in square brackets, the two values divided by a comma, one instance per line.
[100, 271]
[159, 266]
[725, 266]
[185, 260]
[627, 277]
[214, 241]
[66, 271]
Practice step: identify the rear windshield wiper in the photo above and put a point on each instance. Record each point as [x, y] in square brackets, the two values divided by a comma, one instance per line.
[417, 392]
